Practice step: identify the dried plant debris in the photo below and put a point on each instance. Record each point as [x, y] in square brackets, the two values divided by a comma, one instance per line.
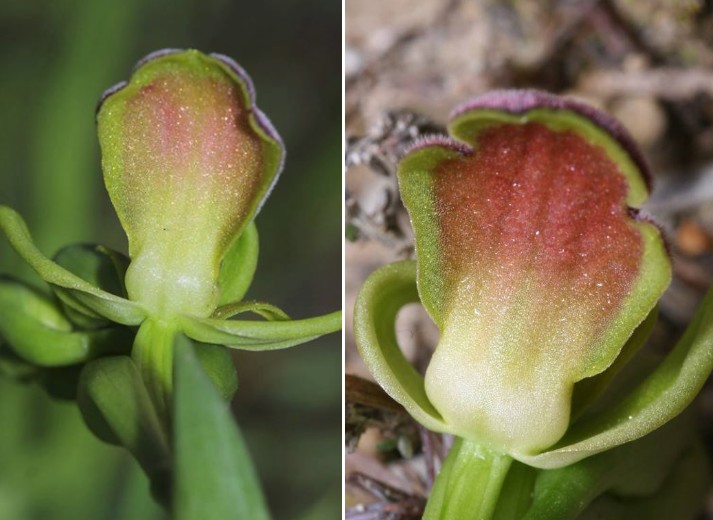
[390, 504]
[367, 405]
[373, 207]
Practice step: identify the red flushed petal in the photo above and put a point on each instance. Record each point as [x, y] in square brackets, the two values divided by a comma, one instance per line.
[188, 159]
[522, 101]
[543, 208]
[529, 261]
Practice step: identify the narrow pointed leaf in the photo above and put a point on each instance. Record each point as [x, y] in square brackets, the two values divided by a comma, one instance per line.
[214, 475]
[117, 408]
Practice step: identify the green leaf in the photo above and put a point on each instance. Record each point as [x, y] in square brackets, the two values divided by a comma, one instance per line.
[379, 301]
[238, 266]
[214, 475]
[116, 406]
[71, 287]
[260, 335]
[217, 362]
[37, 331]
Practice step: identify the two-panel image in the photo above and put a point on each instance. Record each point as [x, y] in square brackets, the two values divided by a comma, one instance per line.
[359, 260]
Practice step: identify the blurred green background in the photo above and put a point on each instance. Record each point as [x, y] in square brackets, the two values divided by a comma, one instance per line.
[56, 58]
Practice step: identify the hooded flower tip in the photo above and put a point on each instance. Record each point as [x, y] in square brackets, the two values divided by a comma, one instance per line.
[520, 102]
[188, 159]
[529, 261]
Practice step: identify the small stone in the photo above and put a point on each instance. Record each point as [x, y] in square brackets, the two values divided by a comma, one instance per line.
[642, 116]
[691, 238]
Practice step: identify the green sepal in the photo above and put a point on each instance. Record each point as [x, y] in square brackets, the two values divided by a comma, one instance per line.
[214, 474]
[635, 469]
[381, 297]
[116, 406]
[265, 310]
[98, 265]
[260, 335]
[69, 285]
[238, 266]
[37, 331]
[664, 394]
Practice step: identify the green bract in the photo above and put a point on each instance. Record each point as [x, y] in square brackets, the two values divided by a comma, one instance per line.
[188, 159]
[539, 271]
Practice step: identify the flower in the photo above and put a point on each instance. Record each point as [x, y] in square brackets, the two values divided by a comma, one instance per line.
[188, 159]
[533, 260]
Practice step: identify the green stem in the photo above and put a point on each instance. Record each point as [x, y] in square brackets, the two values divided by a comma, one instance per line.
[153, 354]
[516, 493]
[469, 483]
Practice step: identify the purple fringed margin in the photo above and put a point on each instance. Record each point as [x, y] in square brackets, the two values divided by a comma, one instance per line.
[116, 88]
[260, 118]
[640, 215]
[442, 141]
[256, 115]
[521, 101]
[153, 56]
[108, 92]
